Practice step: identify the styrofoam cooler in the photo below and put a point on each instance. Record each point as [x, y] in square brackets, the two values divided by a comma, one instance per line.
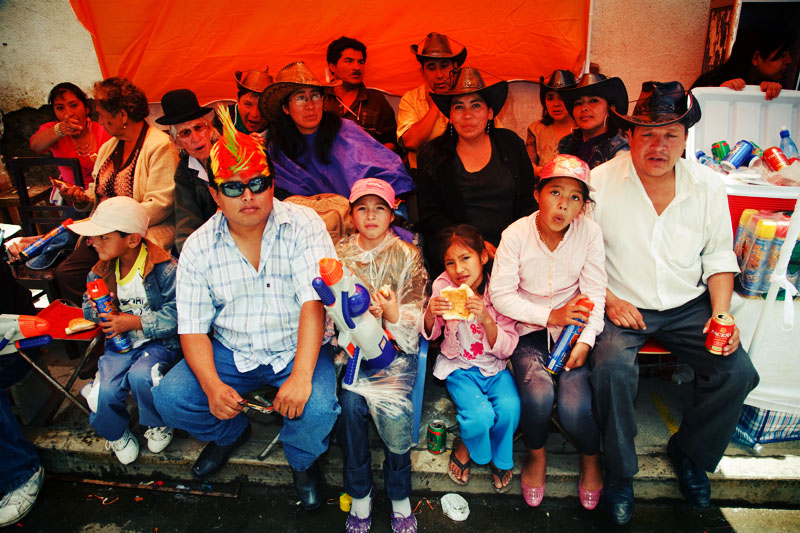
[731, 116]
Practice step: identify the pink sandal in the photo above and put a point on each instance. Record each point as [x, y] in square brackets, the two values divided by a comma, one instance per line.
[589, 498]
[533, 495]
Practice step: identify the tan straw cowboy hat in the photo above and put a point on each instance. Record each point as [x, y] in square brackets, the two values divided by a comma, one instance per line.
[290, 78]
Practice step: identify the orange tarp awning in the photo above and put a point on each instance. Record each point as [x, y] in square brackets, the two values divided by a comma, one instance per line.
[163, 45]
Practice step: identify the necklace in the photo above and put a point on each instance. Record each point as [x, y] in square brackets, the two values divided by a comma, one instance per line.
[85, 148]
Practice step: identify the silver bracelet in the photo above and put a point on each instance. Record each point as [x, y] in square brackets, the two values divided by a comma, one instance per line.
[57, 129]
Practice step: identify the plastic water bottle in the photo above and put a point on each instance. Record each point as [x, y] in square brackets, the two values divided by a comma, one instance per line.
[788, 147]
[704, 159]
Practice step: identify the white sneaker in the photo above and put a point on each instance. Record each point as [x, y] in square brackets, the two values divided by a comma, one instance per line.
[126, 448]
[17, 503]
[158, 438]
[90, 392]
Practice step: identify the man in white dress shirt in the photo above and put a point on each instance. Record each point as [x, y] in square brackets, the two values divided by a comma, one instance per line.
[670, 264]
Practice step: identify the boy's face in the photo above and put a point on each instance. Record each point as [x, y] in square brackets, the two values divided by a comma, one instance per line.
[371, 217]
[112, 245]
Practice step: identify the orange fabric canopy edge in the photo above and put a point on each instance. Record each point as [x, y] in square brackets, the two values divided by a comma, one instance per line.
[162, 46]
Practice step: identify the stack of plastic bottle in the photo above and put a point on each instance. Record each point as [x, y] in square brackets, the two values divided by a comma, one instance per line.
[759, 239]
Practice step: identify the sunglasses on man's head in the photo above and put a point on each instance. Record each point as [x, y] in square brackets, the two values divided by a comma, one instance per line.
[234, 189]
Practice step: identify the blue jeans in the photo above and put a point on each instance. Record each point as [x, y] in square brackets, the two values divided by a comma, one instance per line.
[488, 413]
[18, 458]
[537, 391]
[352, 431]
[134, 372]
[182, 404]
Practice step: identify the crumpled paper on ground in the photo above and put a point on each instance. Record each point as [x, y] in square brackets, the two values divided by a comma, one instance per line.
[455, 507]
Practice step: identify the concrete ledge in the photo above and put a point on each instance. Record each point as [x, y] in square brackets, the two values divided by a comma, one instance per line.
[757, 480]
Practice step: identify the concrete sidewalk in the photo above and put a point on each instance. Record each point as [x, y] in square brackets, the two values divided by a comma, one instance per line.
[70, 446]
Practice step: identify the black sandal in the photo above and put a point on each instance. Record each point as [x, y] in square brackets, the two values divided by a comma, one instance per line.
[455, 461]
[500, 474]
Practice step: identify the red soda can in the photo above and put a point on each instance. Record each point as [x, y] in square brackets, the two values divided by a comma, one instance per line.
[719, 332]
[775, 159]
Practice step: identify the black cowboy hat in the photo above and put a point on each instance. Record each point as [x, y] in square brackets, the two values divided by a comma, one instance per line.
[468, 80]
[437, 46]
[660, 104]
[590, 84]
[559, 79]
[180, 106]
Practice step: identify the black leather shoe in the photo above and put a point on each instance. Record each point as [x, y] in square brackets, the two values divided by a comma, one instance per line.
[692, 480]
[306, 483]
[618, 496]
[214, 457]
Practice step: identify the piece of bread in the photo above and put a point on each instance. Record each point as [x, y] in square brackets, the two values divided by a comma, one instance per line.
[386, 290]
[79, 324]
[457, 296]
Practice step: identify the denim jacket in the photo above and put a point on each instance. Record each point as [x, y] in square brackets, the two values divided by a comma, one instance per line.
[161, 322]
[604, 151]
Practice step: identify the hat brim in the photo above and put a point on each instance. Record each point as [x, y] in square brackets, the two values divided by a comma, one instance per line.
[186, 117]
[89, 228]
[270, 100]
[688, 119]
[494, 95]
[458, 58]
[612, 90]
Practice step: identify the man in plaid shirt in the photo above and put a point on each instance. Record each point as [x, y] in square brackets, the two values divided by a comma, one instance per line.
[245, 275]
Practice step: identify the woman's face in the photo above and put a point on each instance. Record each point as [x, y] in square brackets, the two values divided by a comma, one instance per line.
[305, 108]
[774, 66]
[555, 106]
[114, 124]
[469, 115]
[590, 114]
[68, 107]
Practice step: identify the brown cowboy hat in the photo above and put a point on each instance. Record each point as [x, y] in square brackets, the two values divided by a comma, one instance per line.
[660, 104]
[469, 80]
[290, 78]
[591, 84]
[438, 46]
[559, 79]
[253, 80]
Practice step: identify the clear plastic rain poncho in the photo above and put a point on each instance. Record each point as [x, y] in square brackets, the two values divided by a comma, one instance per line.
[388, 390]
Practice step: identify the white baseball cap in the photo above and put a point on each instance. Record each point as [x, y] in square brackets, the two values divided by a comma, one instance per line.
[120, 213]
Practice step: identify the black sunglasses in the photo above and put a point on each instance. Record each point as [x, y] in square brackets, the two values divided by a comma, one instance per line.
[234, 189]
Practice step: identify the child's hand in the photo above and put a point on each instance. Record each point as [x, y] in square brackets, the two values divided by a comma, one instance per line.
[578, 356]
[564, 316]
[389, 305]
[119, 323]
[475, 305]
[438, 306]
[376, 311]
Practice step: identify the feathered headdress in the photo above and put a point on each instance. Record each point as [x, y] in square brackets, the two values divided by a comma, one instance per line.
[236, 152]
